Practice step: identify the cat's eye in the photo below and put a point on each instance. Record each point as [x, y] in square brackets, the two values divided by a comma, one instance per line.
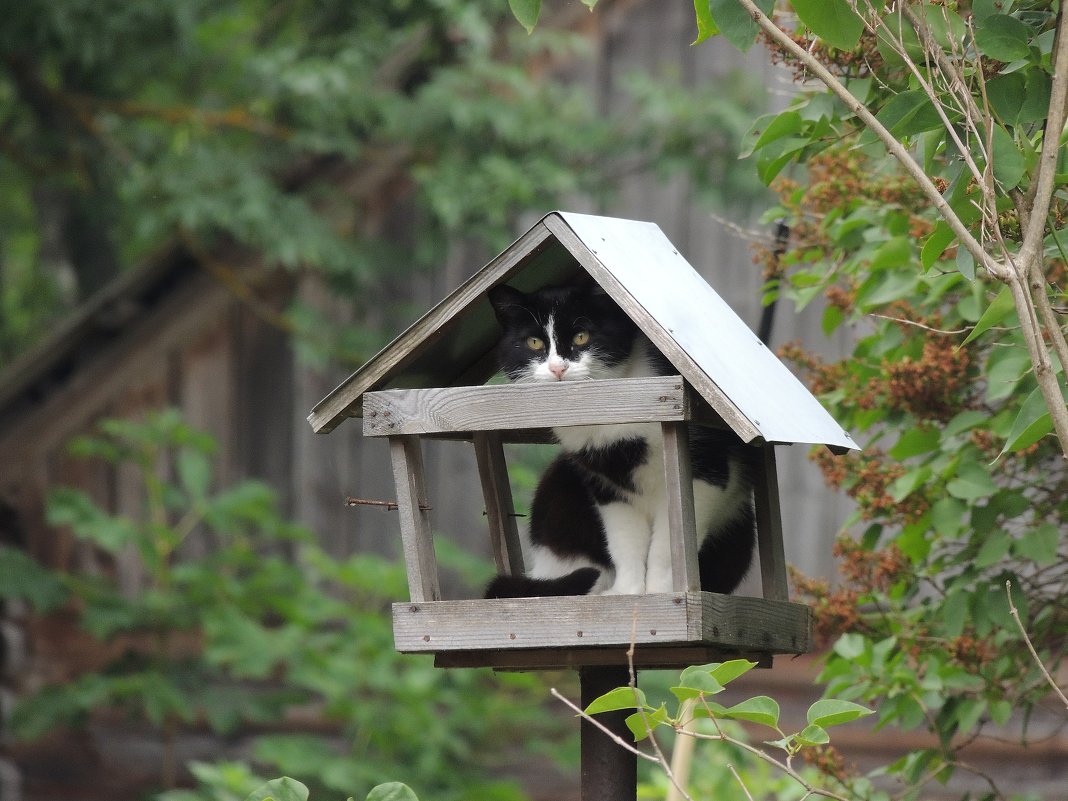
[581, 338]
[535, 343]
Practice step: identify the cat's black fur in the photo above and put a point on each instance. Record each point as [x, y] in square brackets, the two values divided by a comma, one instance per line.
[599, 470]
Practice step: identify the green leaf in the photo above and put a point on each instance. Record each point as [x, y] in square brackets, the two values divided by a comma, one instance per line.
[906, 484]
[813, 735]
[696, 684]
[1006, 95]
[283, 789]
[1040, 544]
[1009, 162]
[833, 712]
[891, 254]
[832, 318]
[972, 482]
[946, 26]
[887, 286]
[619, 698]
[914, 442]
[1032, 423]
[1004, 370]
[763, 132]
[965, 263]
[1000, 711]
[71, 507]
[21, 576]
[527, 12]
[954, 611]
[964, 421]
[941, 238]
[947, 516]
[392, 791]
[706, 26]
[760, 709]
[727, 672]
[993, 550]
[735, 23]
[1036, 96]
[908, 112]
[194, 471]
[1003, 38]
[981, 9]
[642, 723]
[833, 21]
[1000, 308]
[773, 158]
[710, 679]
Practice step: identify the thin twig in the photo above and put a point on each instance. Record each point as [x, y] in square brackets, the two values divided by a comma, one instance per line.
[741, 783]
[615, 737]
[1030, 647]
[903, 321]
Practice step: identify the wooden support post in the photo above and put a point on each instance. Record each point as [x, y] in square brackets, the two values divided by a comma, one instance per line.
[609, 772]
[497, 492]
[678, 488]
[769, 529]
[415, 519]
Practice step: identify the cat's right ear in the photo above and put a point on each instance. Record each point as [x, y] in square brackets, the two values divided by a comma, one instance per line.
[506, 301]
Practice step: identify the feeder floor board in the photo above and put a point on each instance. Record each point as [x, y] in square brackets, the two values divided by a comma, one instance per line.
[521, 633]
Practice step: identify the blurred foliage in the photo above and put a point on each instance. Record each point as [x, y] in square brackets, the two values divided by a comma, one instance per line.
[353, 141]
[255, 627]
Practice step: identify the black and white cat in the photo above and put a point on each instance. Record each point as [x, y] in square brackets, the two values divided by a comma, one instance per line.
[598, 521]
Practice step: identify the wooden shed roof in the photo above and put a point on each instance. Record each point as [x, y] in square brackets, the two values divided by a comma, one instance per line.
[639, 268]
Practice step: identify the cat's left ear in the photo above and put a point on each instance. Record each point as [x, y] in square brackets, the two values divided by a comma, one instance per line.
[506, 301]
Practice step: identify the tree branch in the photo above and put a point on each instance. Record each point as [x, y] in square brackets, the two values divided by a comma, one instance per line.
[896, 149]
[1014, 272]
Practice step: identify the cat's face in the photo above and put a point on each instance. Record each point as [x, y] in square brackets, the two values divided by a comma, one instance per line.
[560, 334]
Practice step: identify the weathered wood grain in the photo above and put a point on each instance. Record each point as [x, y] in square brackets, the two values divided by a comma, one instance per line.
[709, 620]
[769, 529]
[495, 407]
[678, 485]
[412, 504]
[500, 510]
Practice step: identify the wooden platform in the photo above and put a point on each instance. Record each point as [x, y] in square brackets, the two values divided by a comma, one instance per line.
[668, 630]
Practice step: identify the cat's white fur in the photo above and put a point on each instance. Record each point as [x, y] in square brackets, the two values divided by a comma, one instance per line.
[636, 529]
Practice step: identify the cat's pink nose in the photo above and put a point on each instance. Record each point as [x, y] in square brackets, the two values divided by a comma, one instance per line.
[558, 370]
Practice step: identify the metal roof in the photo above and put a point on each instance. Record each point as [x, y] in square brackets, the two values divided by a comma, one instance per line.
[636, 264]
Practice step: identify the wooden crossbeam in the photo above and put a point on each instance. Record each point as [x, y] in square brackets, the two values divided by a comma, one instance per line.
[508, 407]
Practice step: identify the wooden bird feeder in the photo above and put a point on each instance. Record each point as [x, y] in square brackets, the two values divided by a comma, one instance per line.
[429, 383]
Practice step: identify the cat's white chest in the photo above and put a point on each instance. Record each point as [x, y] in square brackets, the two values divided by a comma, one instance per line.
[575, 438]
